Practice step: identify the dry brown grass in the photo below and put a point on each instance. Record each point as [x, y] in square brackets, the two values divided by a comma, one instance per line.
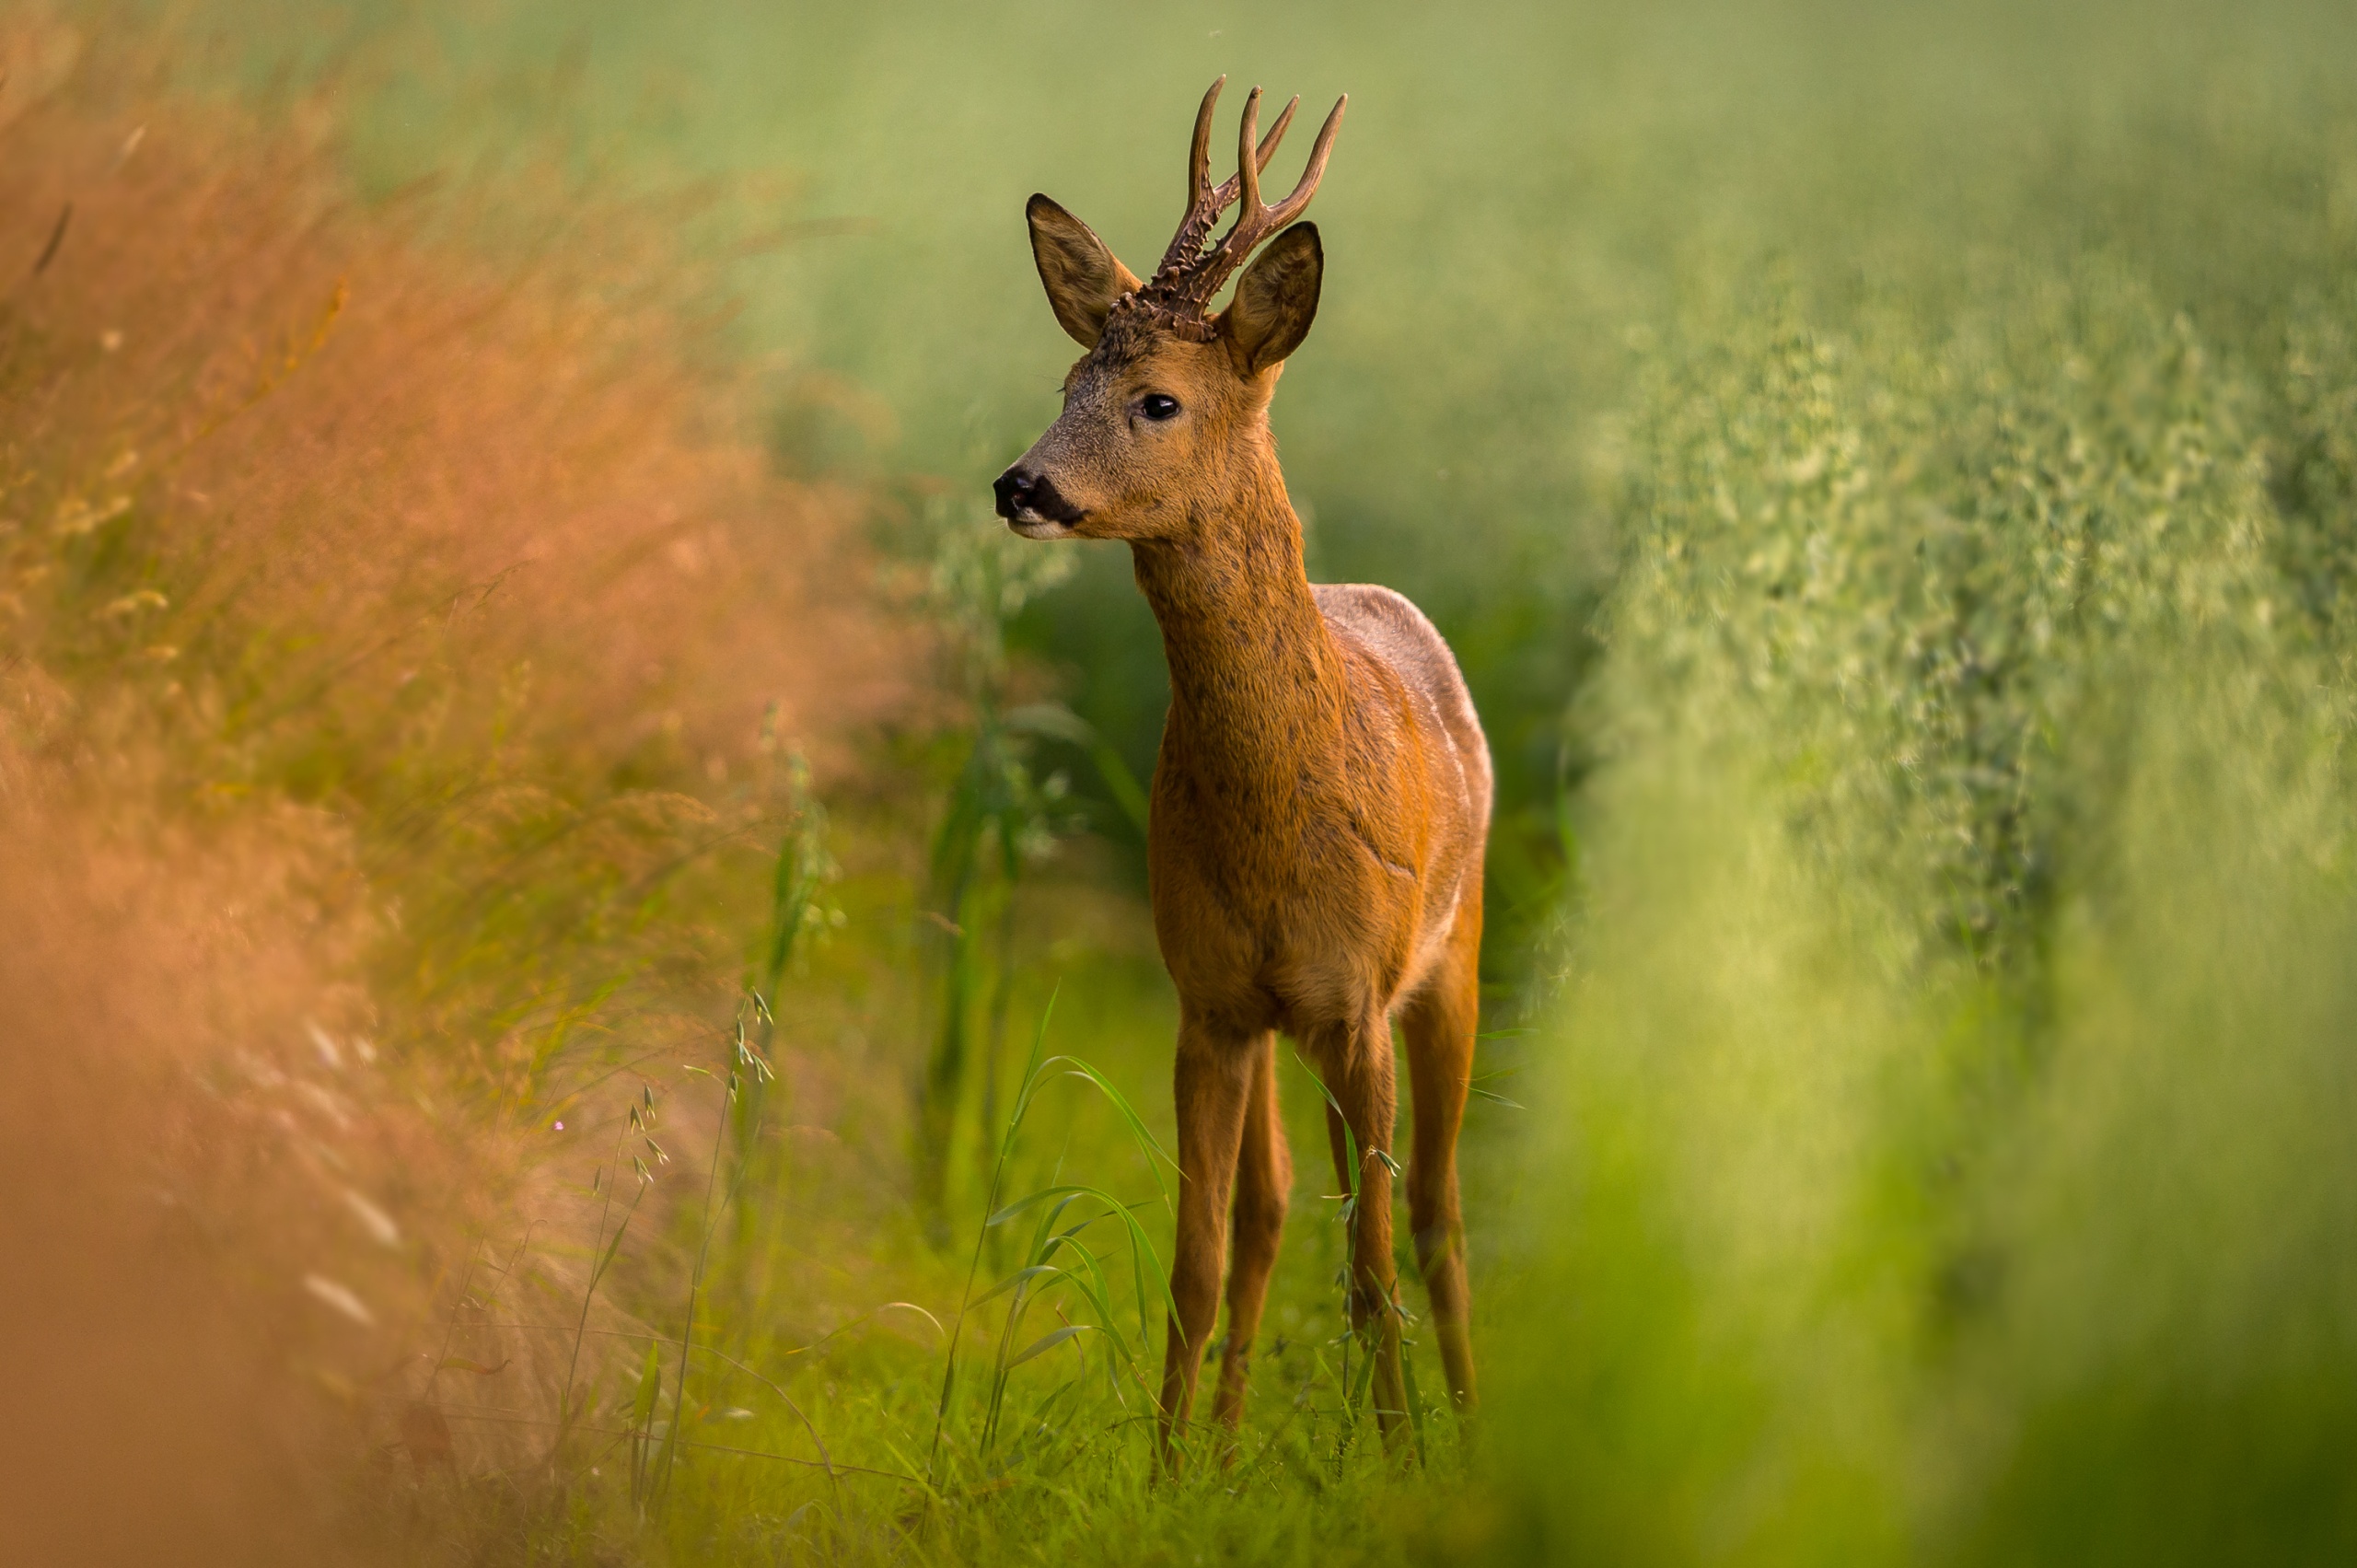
[395, 646]
[182, 1171]
[318, 432]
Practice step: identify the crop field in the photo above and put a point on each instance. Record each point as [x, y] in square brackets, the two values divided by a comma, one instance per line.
[575, 977]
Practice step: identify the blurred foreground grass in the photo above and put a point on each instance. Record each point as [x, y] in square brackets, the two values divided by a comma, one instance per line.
[1950, 1155]
[1891, 474]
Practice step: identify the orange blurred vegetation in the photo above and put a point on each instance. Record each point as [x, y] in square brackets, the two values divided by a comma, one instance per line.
[399, 645]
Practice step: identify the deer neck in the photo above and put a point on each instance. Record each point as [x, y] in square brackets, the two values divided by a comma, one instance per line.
[1255, 676]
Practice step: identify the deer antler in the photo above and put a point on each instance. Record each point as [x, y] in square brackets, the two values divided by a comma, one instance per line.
[1179, 294]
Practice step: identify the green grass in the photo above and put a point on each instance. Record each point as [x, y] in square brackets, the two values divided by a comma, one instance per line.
[1890, 474]
[869, 1439]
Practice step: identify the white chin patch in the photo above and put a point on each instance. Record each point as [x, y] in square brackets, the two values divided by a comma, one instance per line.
[1040, 528]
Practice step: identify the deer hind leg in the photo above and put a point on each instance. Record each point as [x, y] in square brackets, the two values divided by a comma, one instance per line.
[1263, 1187]
[1440, 1023]
[1361, 1084]
[1212, 1084]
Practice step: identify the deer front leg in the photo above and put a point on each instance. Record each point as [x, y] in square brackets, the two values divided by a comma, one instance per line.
[1360, 1078]
[1263, 1188]
[1211, 1085]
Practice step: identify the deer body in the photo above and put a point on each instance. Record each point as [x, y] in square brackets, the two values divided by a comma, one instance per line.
[1316, 816]
[1321, 799]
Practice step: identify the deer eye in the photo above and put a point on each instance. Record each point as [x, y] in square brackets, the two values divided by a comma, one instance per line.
[1159, 406]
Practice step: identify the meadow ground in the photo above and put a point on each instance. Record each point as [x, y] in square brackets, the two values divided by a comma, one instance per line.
[571, 946]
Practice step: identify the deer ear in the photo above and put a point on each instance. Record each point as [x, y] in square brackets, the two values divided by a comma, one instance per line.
[1275, 299]
[1083, 278]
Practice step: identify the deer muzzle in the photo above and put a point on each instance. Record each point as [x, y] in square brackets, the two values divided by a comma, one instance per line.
[1032, 506]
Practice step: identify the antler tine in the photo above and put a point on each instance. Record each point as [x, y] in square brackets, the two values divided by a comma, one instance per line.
[1291, 207]
[1248, 161]
[1224, 197]
[1199, 161]
[1276, 133]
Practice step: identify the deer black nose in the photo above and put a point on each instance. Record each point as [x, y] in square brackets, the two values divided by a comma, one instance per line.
[1028, 495]
[1015, 489]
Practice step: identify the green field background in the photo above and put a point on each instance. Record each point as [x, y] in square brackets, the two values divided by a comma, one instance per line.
[1523, 192]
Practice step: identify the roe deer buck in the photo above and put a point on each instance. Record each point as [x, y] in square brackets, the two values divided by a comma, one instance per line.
[1322, 796]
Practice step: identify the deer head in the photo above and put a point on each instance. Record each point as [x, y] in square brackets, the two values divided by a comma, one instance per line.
[1167, 412]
